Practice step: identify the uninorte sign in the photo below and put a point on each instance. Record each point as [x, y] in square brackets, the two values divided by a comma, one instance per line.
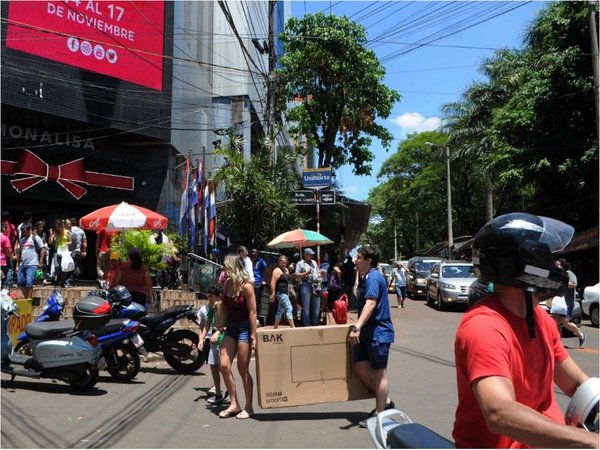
[316, 178]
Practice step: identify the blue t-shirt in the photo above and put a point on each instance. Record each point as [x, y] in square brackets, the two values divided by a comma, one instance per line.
[379, 327]
[258, 267]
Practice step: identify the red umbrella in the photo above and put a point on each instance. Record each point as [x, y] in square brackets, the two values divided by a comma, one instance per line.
[123, 217]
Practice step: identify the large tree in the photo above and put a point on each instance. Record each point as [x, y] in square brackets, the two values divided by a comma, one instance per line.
[257, 204]
[339, 82]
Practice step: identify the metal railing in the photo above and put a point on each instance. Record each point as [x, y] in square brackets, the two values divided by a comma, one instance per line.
[202, 273]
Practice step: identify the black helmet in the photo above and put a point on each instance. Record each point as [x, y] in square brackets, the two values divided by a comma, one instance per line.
[516, 250]
[120, 294]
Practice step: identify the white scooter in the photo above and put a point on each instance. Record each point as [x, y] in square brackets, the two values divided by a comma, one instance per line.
[394, 429]
[70, 355]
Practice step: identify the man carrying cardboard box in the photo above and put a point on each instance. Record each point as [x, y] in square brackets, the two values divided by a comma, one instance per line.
[373, 333]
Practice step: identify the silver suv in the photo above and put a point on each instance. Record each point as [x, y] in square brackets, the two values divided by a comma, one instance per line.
[449, 282]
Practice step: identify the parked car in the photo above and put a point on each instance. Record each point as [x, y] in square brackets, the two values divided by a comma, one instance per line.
[589, 304]
[419, 268]
[449, 282]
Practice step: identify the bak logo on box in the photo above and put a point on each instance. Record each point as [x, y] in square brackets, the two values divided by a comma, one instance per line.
[273, 338]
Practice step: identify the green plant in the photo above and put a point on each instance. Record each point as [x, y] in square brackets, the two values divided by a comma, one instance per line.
[141, 239]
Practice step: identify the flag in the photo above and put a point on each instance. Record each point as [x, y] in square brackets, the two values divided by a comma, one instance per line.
[205, 217]
[212, 217]
[184, 206]
[196, 187]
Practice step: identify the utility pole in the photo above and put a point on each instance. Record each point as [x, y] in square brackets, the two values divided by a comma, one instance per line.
[594, 36]
[449, 197]
[395, 242]
[272, 82]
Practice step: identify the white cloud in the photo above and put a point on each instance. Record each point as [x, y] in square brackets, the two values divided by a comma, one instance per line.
[413, 121]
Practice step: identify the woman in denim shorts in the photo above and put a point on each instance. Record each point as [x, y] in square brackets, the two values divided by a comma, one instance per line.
[280, 285]
[240, 335]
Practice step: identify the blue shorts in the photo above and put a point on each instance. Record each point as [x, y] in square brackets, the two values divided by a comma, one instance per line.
[375, 352]
[26, 275]
[240, 333]
[401, 290]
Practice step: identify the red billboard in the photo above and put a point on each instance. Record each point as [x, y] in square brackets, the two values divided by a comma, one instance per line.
[121, 39]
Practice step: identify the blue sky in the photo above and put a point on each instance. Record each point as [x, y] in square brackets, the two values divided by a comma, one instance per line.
[429, 76]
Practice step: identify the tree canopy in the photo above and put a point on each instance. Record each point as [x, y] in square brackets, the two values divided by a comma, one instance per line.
[339, 82]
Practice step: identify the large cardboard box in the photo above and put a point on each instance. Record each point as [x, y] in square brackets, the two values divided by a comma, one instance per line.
[302, 366]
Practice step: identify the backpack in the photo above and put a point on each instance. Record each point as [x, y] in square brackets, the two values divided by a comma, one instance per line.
[340, 310]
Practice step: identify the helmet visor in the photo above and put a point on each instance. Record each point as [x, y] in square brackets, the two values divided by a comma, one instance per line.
[556, 234]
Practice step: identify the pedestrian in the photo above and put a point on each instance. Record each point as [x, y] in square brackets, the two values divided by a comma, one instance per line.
[29, 254]
[334, 285]
[212, 337]
[39, 229]
[508, 353]
[243, 252]
[27, 218]
[259, 267]
[78, 247]
[103, 240]
[6, 253]
[135, 276]
[570, 299]
[60, 237]
[399, 280]
[281, 280]
[373, 333]
[310, 288]
[11, 233]
[240, 335]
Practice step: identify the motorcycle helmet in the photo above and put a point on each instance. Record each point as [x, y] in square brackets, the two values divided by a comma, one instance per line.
[120, 294]
[55, 304]
[582, 410]
[516, 250]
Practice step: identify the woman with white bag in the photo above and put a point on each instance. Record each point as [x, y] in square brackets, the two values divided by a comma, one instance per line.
[63, 262]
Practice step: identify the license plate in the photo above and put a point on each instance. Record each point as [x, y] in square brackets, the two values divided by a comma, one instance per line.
[101, 363]
[137, 340]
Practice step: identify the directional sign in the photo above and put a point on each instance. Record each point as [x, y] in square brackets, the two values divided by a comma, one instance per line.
[303, 197]
[327, 197]
[316, 178]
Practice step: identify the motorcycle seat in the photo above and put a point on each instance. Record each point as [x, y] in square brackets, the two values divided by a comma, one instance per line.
[414, 435]
[46, 330]
[152, 319]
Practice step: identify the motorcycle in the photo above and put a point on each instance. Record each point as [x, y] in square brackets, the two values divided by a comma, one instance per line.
[118, 338]
[179, 347]
[71, 355]
[394, 429]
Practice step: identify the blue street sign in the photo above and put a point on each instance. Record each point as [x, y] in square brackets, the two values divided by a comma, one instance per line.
[316, 178]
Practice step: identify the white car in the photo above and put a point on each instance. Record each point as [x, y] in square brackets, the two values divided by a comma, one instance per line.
[589, 304]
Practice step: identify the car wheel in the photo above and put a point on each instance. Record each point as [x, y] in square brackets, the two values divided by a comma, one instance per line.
[440, 303]
[427, 298]
[594, 315]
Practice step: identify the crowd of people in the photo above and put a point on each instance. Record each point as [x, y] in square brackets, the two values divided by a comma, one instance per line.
[33, 252]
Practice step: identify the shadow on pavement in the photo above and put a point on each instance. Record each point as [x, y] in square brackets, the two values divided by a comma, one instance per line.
[55, 387]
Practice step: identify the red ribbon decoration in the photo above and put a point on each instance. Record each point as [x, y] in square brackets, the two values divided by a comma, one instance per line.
[69, 175]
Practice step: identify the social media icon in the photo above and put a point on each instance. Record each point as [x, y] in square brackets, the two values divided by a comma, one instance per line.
[86, 48]
[99, 52]
[111, 55]
[73, 44]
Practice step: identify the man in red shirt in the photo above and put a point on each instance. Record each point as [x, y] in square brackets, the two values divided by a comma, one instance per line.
[508, 352]
[103, 240]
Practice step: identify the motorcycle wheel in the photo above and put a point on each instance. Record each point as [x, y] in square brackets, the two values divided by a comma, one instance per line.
[24, 348]
[187, 341]
[123, 363]
[87, 381]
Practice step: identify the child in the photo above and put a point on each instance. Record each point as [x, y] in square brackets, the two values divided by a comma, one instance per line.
[211, 336]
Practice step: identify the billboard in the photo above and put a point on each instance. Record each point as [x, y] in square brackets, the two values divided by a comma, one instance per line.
[121, 39]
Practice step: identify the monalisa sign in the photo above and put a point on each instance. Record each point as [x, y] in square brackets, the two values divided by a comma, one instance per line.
[46, 137]
[115, 38]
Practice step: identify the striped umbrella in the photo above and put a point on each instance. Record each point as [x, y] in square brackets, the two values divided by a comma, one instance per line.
[299, 238]
[123, 217]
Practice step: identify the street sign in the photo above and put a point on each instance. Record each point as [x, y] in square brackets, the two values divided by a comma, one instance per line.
[303, 197]
[327, 197]
[316, 178]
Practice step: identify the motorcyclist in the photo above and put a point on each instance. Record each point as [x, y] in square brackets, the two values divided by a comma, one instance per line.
[508, 352]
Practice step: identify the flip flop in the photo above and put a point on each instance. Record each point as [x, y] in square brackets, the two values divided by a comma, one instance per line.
[244, 415]
[226, 413]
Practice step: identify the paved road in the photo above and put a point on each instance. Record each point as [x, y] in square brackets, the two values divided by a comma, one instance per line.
[162, 409]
